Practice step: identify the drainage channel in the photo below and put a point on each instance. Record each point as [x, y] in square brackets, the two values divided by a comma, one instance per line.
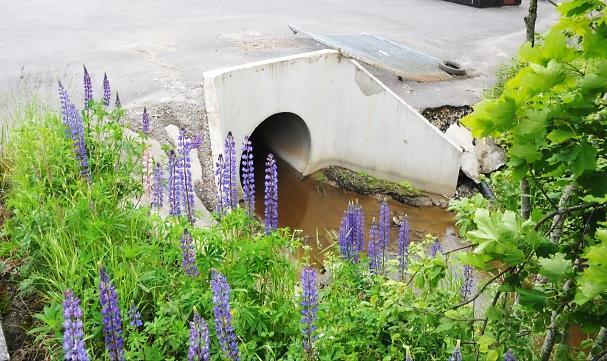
[315, 207]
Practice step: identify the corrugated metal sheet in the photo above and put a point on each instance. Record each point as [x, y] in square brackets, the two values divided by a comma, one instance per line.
[408, 63]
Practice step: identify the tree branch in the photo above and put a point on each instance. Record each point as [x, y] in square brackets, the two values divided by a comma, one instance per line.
[480, 291]
[561, 211]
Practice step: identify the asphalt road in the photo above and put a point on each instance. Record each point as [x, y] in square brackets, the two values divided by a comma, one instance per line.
[156, 51]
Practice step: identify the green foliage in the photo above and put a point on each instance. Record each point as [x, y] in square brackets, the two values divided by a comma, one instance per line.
[551, 116]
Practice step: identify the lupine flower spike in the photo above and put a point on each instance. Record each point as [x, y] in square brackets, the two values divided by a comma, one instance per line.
[248, 175]
[403, 247]
[75, 127]
[375, 249]
[184, 164]
[188, 252]
[88, 88]
[384, 229]
[157, 187]
[271, 195]
[145, 121]
[219, 181]
[107, 93]
[223, 316]
[351, 233]
[457, 353]
[468, 282]
[436, 248]
[509, 356]
[309, 307]
[112, 324]
[135, 316]
[73, 335]
[174, 185]
[228, 174]
[118, 103]
[408, 354]
[199, 339]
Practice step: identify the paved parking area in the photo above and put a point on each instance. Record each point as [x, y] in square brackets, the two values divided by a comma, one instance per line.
[156, 51]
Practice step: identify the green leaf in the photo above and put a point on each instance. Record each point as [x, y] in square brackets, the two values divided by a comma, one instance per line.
[585, 160]
[532, 298]
[555, 268]
[558, 136]
[485, 341]
[492, 356]
[593, 281]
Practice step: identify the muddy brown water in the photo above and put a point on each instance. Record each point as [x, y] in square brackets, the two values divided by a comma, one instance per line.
[315, 207]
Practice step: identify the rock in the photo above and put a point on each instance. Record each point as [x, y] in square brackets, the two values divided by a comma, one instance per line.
[490, 155]
[470, 166]
[461, 136]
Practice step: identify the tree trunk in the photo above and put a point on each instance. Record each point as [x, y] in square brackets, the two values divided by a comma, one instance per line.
[556, 229]
[525, 199]
[530, 21]
[599, 344]
[551, 332]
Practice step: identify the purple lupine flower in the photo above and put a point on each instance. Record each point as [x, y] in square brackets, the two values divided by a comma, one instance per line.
[174, 185]
[408, 354]
[157, 187]
[112, 324]
[248, 175]
[73, 335]
[145, 121]
[107, 93]
[118, 103]
[457, 353]
[135, 316]
[75, 130]
[88, 89]
[509, 356]
[309, 307]
[220, 186]
[403, 247]
[271, 195]
[228, 174]
[199, 339]
[351, 233]
[374, 250]
[436, 248]
[384, 229]
[468, 282]
[223, 316]
[188, 253]
[184, 164]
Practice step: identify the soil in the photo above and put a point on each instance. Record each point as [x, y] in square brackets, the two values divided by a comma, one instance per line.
[192, 117]
[442, 117]
[369, 185]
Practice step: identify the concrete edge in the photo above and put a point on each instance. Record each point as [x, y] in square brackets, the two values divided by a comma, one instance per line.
[4, 356]
[216, 72]
[404, 103]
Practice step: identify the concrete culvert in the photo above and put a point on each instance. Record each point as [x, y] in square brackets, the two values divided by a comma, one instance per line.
[287, 136]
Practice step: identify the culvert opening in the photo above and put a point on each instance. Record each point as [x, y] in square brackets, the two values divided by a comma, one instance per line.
[287, 136]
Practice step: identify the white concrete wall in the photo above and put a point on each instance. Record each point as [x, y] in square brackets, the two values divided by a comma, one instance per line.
[354, 120]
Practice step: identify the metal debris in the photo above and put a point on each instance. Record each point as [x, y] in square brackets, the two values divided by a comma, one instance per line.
[403, 61]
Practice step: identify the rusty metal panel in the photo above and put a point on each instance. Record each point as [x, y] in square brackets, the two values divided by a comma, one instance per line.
[405, 62]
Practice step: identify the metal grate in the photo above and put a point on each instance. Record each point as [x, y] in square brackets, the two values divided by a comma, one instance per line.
[403, 61]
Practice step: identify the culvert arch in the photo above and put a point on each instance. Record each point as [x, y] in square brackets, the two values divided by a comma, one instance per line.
[287, 136]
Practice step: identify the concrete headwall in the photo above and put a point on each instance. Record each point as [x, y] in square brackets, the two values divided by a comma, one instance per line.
[354, 121]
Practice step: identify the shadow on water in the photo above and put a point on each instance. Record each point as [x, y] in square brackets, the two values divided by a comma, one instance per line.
[315, 207]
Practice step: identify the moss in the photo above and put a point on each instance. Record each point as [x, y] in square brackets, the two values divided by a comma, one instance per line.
[364, 183]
